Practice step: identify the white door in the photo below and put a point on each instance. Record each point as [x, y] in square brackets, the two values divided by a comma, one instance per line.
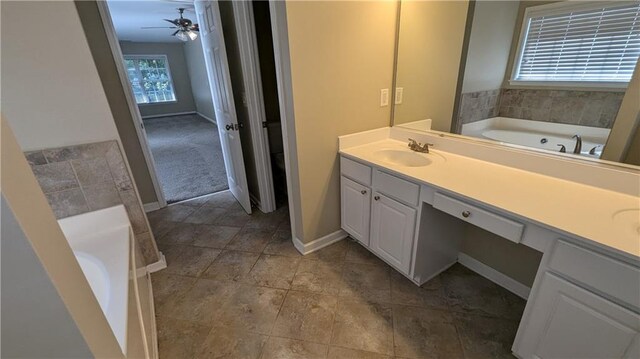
[392, 228]
[355, 209]
[215, 56]
[570, 322]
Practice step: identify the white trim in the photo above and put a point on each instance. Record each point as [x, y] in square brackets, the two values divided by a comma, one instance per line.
[317, 244]
[206, 118]
[249, 59]
[278, 13]
[159, 265]
[493, 275]
[105, 15]
[150, 207]
[169, 114]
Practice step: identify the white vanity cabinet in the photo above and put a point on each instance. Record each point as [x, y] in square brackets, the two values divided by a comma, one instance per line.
[379, 210]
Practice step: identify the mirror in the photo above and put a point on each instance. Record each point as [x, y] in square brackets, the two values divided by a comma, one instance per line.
[548, 76]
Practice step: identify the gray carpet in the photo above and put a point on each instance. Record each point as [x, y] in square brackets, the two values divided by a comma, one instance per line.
[188, 156]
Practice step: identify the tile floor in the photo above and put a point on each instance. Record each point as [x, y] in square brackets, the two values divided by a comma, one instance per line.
[235, 287]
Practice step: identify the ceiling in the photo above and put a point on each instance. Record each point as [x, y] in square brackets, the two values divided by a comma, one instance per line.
[129, 16]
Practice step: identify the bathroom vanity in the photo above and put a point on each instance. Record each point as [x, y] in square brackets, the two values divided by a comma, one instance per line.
[410, 210]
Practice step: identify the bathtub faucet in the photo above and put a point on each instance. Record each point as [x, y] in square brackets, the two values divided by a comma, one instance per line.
[578, 147]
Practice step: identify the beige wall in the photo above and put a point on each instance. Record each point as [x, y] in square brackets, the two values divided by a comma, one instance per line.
[199, 79]
[341, 56]
[115, 92]
[429, 53]
[489, 44]
[51, 92]
[179, 76]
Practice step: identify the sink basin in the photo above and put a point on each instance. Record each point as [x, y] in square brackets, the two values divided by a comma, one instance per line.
[403, 158]
[628, 220]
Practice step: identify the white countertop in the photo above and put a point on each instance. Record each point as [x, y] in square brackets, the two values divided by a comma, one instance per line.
[582, 210]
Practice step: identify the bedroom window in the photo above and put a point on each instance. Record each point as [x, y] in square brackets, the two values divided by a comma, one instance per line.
[578, 44]
[150, 78]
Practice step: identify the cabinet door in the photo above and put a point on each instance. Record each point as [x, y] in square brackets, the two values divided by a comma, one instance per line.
[356, 210]
[392, 231]
[570, 322]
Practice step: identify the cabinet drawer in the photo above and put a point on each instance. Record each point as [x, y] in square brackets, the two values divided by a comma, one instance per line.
[484, 219]
[617, 279]
[394, 187]
[356, 171]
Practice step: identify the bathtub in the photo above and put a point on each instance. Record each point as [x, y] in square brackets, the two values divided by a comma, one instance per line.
[543, 135]
[104, 246]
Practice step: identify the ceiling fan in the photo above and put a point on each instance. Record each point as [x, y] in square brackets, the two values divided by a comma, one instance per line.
[186, 29]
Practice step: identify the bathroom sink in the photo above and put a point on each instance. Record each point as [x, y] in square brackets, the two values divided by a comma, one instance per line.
[628, 220]
[403, 158]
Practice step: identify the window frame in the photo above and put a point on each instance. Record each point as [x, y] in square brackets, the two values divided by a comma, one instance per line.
[168, 68]
[553, 9]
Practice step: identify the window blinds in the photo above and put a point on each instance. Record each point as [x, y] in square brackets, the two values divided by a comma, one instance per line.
[583, 45]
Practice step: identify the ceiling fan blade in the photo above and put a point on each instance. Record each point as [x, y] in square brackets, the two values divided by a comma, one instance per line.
[172, 21]
[159, 27]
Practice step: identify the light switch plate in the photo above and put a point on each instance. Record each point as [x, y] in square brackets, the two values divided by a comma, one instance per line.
[384, 97]
[399, 92]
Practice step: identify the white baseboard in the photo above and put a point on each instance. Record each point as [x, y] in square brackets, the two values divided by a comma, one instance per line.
[493, 275]
[256, 202]
[159, 265]
[169, 114]
[306, 248]
[149, 207]
[207, 118]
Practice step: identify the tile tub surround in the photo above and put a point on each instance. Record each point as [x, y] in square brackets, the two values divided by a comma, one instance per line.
[265, 300]
[88, 177]
[586, 108]
[476, 106]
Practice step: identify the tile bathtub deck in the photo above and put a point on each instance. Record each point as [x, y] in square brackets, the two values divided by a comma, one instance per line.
[235, 287]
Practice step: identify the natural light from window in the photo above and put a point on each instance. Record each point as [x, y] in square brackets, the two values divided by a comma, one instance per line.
[150, 78]
[572, 43]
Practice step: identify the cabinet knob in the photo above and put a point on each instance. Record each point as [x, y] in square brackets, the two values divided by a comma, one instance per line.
[466, 214]
[364, 191]
[376, 197]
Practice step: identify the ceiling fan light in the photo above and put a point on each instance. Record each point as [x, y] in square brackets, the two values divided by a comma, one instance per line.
[192, 35]
[182, 36]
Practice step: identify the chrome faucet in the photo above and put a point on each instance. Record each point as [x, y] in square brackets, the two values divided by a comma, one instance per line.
[419, 147]
[578, 147]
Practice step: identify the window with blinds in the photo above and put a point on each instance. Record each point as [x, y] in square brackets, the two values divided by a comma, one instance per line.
[568, 43]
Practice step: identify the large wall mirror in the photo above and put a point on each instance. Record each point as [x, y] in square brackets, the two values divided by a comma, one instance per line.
[560, 77]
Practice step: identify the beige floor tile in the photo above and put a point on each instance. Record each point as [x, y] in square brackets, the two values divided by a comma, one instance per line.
[345, 353]
[356, 253]
[168, 288]
[319, 277]
[425, 333]
[306, 316]
[485, 337]
[280, 348]
[252, 309]
[364, 294]
[358, 275]
[232, 344]
[205, 215]
[179, 338]
[364, 326]
[204, 301]
[405, 292]
[189, 260]
[261, 220]
[172, 213]
[215, 236]
[233, 217]
[231, 265]
[273, 271]
[160, 228]
[251, 240]
[333, 253]
[281, 244]
[223, 199]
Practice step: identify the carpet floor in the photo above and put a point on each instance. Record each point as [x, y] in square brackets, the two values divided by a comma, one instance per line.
[188, 157]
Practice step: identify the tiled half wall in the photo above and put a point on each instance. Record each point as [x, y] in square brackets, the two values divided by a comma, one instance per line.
[88, 177]
[586, 108]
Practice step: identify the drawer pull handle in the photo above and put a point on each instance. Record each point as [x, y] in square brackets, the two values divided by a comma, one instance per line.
[364, 191]
[466, 214]
[376, 198]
